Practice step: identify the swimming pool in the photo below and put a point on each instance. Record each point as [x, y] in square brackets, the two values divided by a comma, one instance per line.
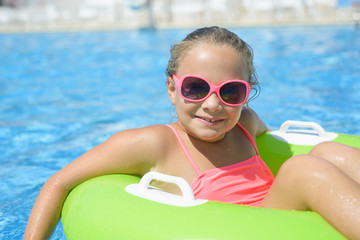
[63, 93]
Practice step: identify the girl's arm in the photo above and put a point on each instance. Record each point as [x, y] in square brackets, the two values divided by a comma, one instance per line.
[252, 123]
[132, 151]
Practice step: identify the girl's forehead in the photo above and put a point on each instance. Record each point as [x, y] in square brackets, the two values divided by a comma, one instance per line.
[218, 61]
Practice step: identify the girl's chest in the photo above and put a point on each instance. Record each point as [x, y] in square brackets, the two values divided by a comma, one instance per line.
[195, 159]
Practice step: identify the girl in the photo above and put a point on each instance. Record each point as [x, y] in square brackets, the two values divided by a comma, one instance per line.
[209, 77]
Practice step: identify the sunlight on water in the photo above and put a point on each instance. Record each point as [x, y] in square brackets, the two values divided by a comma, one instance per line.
[63, 93]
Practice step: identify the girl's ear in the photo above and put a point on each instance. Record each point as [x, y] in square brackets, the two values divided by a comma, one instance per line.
[171, 89]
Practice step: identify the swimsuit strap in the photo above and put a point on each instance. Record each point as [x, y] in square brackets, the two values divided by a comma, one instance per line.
[251, 139]
[247, 134]
[185, 150]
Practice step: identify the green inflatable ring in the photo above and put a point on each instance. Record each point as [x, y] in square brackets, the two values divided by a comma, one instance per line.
[101, 208]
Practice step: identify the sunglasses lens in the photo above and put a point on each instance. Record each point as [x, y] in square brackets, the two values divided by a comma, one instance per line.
[233, 93]
[194, 88]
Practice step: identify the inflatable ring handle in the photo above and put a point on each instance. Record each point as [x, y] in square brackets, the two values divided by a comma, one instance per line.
[290, 123]
[184, 186]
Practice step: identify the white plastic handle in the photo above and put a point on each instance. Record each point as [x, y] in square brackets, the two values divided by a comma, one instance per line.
[144, 190]
[184, 186]
[320, 131]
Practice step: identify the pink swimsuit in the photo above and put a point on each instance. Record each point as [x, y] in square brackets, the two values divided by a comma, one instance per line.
[246, 182]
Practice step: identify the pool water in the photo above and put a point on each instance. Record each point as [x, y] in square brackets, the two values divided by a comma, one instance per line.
[63, 93]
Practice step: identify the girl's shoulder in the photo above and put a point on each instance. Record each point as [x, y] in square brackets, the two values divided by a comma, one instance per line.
[251, 122]
[136, 150]
[150, 135]
[151, 140]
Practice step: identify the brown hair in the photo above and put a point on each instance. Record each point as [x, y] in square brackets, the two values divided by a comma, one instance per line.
[218, 36]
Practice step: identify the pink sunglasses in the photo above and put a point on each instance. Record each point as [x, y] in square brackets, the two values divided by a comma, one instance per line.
[196, 89]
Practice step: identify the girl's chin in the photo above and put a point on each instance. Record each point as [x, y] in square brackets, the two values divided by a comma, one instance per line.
[204, 133]
[206, 137]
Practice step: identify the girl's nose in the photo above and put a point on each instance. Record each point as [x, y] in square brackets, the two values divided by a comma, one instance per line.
[212, 103]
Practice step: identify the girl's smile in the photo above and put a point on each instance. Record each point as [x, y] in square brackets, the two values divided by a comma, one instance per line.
[211, 121]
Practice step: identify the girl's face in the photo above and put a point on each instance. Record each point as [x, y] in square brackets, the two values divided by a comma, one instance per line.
[210, 119]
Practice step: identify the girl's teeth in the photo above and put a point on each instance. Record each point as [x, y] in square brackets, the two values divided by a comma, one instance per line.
[209, 120]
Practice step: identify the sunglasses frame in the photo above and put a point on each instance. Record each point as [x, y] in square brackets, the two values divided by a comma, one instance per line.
[213, 88]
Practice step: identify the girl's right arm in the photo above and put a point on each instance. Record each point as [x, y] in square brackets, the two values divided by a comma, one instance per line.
[134, 151]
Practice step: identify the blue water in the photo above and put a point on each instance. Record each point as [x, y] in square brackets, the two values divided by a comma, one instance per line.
[63, 93]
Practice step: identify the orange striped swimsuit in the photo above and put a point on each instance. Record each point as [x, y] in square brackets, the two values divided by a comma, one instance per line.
[246, 182]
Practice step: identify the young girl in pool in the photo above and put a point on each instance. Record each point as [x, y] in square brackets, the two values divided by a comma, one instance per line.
[212, 146]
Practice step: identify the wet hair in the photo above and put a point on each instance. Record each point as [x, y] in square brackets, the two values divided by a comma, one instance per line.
[217, 36]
